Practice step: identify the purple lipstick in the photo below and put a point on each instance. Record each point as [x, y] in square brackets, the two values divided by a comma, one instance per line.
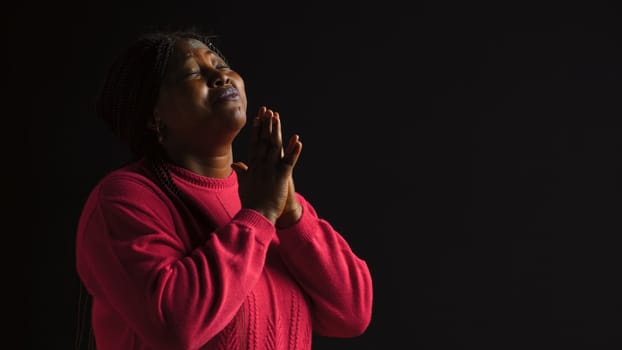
[227, 94]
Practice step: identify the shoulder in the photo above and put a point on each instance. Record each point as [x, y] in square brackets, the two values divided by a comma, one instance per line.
[131, 183]
[132, 177]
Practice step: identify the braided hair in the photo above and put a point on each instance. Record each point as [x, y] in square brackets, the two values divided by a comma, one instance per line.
[130, 91]
[126, 103]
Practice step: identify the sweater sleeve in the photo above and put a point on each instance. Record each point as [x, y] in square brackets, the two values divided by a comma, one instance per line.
[338, 281]
[172, 297]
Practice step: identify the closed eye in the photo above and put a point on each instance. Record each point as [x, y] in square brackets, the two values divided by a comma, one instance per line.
[219, 67]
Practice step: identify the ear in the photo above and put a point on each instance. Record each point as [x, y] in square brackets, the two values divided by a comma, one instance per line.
[151, 125]
[157, 127]
[154, 123]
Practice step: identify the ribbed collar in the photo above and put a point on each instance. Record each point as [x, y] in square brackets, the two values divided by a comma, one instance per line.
[195, 179]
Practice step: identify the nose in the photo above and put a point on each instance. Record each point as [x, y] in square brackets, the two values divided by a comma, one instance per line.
[217, 78]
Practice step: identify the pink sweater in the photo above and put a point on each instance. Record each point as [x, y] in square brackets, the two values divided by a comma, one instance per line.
[203, 273]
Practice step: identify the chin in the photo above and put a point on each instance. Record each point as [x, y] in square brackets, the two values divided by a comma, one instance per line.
[238, 119]
[240, 114]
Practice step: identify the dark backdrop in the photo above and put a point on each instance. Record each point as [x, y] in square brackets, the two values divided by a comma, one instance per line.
[469, 152]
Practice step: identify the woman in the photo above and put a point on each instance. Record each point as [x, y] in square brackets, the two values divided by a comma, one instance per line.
[183, 248]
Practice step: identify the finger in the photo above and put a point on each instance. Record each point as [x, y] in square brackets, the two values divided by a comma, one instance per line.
[266, 126]
[240, 170]
[256, 127]
[276, 140]
[263, 145]
[293, 150]
[255, 138]
[282, 147]
[239, 166]
[291, 143]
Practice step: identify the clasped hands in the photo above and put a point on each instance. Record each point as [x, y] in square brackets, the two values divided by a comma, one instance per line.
[266, 183]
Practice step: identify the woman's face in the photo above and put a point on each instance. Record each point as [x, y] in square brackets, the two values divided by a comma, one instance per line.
[202, 102]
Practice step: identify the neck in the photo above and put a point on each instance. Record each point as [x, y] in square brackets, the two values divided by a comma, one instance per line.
[216, 165]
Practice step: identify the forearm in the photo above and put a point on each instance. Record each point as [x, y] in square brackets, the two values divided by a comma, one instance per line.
[169, 297]
[336, 279]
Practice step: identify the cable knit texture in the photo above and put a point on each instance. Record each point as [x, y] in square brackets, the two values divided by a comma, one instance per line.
[204, 273]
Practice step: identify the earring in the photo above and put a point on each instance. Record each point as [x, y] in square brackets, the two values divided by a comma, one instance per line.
[160, 131]
[160, 137]
[157, 127]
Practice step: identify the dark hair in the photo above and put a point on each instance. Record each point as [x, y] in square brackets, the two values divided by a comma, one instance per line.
[125, 103]
[130, 90]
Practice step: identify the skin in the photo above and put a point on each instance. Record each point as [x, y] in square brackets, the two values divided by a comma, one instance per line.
[198, 116]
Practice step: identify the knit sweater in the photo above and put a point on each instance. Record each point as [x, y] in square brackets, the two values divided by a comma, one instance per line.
[202, 272]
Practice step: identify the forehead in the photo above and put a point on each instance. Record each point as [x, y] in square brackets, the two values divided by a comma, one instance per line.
[190, 44]
[186, 48]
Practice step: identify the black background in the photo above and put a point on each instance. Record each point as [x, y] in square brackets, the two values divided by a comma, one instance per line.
[470, 152]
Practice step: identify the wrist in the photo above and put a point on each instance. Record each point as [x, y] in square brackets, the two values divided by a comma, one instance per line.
[289, 218]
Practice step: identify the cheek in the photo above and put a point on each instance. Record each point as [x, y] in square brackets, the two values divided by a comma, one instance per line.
[195, 92]
[188, 99]
[239, 84]
[178, 107]
[244, 99]
[242, 91]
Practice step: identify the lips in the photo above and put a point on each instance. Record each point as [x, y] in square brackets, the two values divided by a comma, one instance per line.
[226, 94]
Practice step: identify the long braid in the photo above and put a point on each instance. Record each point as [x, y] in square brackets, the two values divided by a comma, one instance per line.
[163, 174]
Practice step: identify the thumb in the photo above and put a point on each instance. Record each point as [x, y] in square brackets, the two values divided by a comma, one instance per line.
[239, 167]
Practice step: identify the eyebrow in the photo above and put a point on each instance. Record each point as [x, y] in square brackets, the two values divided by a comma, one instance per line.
[191, 53]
